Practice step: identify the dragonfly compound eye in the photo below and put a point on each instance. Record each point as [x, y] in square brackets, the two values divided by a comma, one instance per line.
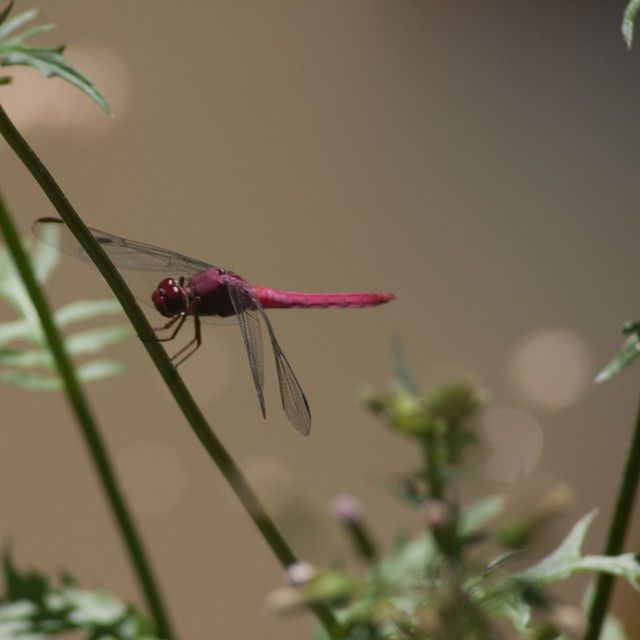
[169, 298]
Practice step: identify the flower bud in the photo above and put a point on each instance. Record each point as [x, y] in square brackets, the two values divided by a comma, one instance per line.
[437, 513]
[407, 413]
[452, 402]
[299, 573]
[347, 508]
[516, 534]
[330, 585]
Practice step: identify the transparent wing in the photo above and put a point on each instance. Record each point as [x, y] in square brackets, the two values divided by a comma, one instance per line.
[125, 254]
[247, 315]
[294, 402]
[249, 311]
[141, 262]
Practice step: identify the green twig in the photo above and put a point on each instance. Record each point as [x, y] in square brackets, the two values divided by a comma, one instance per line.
[433, 466]
[88, 426]
[174, 382]
[617, 532]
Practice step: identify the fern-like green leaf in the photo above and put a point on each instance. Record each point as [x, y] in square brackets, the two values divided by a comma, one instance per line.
[5, 12]
[26, 359]
[568, 559]
[94, 340]
[629, 20]
[627, 354]
[33, 607]
[31, 381]
[82, 310]
[99, 370]
[32, 367]
[15, 330]
[16, 50]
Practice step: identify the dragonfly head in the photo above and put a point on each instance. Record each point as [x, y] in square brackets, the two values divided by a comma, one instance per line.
[169, 298]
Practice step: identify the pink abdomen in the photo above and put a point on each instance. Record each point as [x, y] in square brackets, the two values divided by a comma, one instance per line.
[276, 299]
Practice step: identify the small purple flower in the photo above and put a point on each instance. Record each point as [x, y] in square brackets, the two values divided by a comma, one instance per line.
[347, 508]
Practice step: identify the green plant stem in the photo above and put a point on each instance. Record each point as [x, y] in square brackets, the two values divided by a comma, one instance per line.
[433, 464]
[88, 427]
[174, 382]
[617, 532]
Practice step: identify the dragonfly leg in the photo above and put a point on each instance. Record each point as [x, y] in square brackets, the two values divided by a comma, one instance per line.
[179, 319]
[195, 342]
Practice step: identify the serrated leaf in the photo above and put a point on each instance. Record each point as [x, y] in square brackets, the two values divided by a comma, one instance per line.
[81, 310]
[99, 369]
[49, 62]
[32, 607]
[28, 585]
[93, 607]
[558, 564]
[93, 340]
[624, 566]
[627, 354]
[628, 21]
[18, 609]
[568, 559]
[480, 513]
[407, 560]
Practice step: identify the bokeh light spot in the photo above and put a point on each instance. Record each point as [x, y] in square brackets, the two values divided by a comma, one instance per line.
[275, 483]
[551, 369]
[516, 442]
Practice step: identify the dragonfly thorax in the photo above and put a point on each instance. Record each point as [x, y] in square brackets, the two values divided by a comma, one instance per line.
[170, 298]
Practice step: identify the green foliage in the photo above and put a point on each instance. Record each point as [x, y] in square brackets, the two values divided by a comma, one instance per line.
[32, 367]
[16, 49]
[628, 21]
[33, 608]
[568, 559]
[457, 577]
[629, 351]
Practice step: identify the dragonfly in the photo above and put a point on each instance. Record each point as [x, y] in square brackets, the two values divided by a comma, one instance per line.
[194, 289]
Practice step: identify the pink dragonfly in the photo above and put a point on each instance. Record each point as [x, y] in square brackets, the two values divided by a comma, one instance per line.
[199, 290]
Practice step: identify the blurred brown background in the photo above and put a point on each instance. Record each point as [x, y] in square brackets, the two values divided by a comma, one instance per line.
[479, 159]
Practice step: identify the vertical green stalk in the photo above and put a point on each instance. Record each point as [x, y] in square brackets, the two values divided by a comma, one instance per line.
[88, 427]
[174, 382]
[433, 464]
[617, 532]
